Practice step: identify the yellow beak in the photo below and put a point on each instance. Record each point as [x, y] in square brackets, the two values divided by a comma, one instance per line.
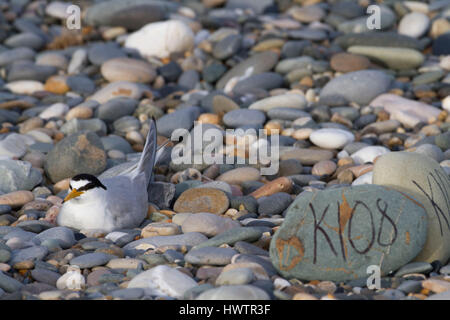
[73, 194]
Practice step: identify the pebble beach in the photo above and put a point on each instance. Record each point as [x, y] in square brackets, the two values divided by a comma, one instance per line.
[353, 98]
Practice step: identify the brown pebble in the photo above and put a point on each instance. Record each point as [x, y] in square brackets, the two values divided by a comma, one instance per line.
[202, 200]
[56, 85]
[436, 285]
[24, 265]
[346, 176]
[282, 184]
[304, 296]
[79, 112]
[361, 169]
[209, 118]
[325, 167]
[239, 175]
[345, 161]
[160, 229]
[17, 199]
[348, 62]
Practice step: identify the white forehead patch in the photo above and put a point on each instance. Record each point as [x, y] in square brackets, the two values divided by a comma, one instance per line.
[78, 184]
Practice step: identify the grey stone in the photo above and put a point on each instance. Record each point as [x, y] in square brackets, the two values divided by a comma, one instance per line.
[182, 118]
[187, 239]
[249, 234]
[18, 175]
[128, 294]
[258, 63]
[63, 235]
[115, 142]
[9, 284]
[32, 253]
[81, 152]
[30, 71]
[45, 276]
[99, 53]
[116, 108]
[81, 84]
[359, 86]
[210, 255]
[90, 260]
[386, 220]
[238, 276]
[263, 81]
[274, 204]
[9, 56]
[208, 223]
[244, 117]
[130, 14]
[25, 39]
[227, 47]
[76, 125]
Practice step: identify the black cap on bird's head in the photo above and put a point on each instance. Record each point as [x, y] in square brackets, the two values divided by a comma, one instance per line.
[82, 183]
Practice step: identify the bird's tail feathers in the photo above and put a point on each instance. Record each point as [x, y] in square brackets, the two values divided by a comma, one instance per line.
[148, 157]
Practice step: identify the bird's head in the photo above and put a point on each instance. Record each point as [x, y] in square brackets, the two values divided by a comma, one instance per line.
[82, 185]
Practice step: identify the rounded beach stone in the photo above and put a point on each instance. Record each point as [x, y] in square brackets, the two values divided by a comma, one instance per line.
[126, 69]
[255, 64]
[422, 178]
[359, 86]
[243, 117]
[80, 152]
[336, 234]
[394, 58]
[331, 138]
[288, 100]
[240, 175]
[414, 24]
[234, 292]
[160, 39]
[207, 223]
[202, 200]
[347, 62]
[163, 280]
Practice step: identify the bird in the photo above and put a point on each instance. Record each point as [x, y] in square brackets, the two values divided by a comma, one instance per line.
[119, 202]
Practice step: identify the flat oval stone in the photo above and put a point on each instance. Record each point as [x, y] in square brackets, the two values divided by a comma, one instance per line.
[288, 100]
[234, 292]
[117, 89]
[160, 39]
[210, 255]
[394, 58]
[336, 234]
[232, 236]
[359, 86]
[240, 175]
[244, 117]
[163, 280]
[186, 239]
[208, 224]
[202, 200]
[423, 178]
[80, 152]
[330, 138]
[306, 156]
[258, 63]
[414, 24]
[368, 154]
[126, 69]
[131, 14]
[90, 260]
